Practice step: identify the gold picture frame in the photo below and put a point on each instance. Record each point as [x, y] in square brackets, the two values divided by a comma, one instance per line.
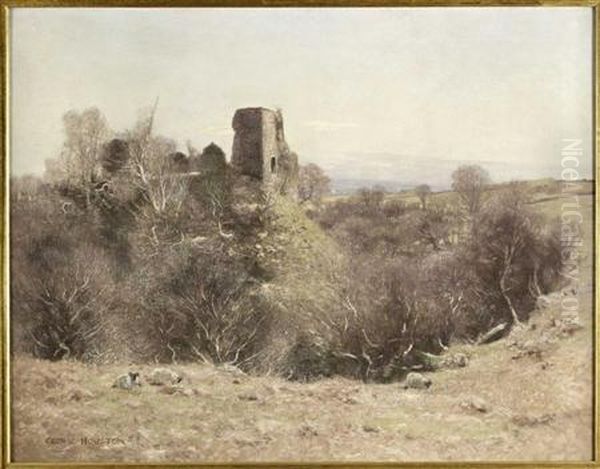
[8, 5]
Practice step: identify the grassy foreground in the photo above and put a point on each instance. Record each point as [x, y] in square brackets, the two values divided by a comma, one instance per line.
[505, 405]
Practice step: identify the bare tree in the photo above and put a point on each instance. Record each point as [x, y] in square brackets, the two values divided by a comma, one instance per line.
[371, 199]
[86, 132]
[65, 305]
[469, 181]
[313, 183]
[508, 239]
[151, 168]
[423, 192]
[207, 313]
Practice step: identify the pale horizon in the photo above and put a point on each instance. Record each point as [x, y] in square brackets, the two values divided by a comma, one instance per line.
[381, 94]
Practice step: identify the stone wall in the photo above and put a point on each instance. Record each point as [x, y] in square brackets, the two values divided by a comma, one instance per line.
[247, 153]
[270, 146]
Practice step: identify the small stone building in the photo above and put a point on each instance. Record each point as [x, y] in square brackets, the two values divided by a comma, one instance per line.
[260, 150]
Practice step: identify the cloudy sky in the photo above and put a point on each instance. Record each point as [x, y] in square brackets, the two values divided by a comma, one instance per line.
[401, 94]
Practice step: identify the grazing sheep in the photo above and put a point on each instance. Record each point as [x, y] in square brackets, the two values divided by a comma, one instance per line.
[163, 376]
[128, 381]
[416, 381]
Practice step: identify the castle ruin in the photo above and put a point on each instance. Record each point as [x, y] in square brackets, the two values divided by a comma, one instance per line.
[260, 151]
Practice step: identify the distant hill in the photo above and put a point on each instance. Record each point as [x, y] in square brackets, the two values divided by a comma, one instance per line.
[342, 186]
[347, 186]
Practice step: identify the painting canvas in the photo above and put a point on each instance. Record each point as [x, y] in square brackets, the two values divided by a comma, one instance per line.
[301, 234]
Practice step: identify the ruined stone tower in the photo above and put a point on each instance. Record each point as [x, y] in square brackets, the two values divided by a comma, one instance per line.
[260, 150]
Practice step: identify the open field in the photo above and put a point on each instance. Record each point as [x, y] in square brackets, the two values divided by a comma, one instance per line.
[527, 396]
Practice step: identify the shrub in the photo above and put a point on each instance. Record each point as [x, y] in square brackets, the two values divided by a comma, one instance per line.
[197, 305]
[511, 251]
[63, 303]
[309, 358]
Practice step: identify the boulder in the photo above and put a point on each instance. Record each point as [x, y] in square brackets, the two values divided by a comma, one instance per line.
[248, 396]
[460, 360]
[454, 360]
[308, 430]
[436, 362]
[176, 390]
[475, 404]
[80, 395]
[494, 334]
[371, 428]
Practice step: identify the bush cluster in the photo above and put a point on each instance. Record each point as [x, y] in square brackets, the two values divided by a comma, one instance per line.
[138, 258]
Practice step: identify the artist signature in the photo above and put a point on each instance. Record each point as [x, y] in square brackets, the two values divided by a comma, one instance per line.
[84, 441]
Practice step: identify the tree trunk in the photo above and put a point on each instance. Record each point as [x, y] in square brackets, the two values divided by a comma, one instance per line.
[535, 281]
[513, 311]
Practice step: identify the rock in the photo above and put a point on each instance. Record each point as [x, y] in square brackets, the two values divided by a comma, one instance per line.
[569, 323]
[50, 382]
[188, 392]
[154, 454]
[416, 381]
[371, 429]
[475, 404]
[268, 389]
[461, 360]
[170, 390]
[349, 400]
[163, 376]
[532, 421]
[80, 395]
[493, 334]
[542, 301]
[429, 360]
[52, 400]
[308, 430]
[435, 362]
[529, 348]
[248, 397]
[231, 369]
[201, 393]
[457, 360]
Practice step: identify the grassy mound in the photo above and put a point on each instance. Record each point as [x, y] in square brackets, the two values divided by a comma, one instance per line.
[304, 268]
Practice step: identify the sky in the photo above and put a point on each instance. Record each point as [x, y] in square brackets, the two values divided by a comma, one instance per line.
[386, 94]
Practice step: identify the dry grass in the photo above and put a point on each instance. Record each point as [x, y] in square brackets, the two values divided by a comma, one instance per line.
[538, 407]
